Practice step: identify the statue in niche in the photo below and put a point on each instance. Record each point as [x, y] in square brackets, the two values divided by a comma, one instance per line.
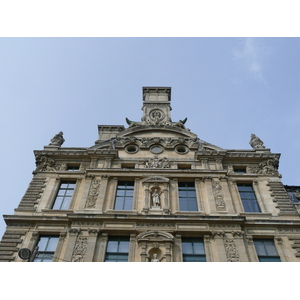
[155, 198]
[256, 142]
[57, 140]
[154, 258]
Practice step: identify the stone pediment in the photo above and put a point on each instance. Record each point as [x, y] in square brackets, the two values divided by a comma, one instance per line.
[156, 179]
[157, 130]
[155, 235]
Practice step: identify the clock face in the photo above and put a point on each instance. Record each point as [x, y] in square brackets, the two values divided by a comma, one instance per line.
[157, 149]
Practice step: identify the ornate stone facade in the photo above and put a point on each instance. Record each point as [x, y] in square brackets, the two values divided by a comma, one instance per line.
[155, 192]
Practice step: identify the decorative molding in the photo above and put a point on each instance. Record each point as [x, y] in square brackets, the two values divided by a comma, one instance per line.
[74, 231]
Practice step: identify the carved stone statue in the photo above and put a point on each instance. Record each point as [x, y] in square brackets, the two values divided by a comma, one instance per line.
[155, 259]
[57, 140]
[256, 142]
[155, 198]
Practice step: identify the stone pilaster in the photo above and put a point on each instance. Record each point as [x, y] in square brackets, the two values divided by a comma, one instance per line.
[208, 248]
[132, 247]
[59, 247]
[72, 237]
[92, 240]
[102, 193]
[251, 251]
[178, 248]
[218, 237]
[103, 245]
[240, 245]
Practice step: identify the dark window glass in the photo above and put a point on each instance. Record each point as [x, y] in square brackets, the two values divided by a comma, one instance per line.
[193, 250]
[64, 195]
[266, 251]
[239, 170]
[124, 195]
[46, 248]
[117, 249]
[73, 168]
[248, 197]
[187, 196]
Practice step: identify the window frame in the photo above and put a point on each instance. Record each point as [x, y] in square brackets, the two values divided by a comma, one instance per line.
[196, 257]
[122, 200]
[248, 202]
[45, 252]
[266, 257]
[64, 197]
[186, 200]
[121, 256]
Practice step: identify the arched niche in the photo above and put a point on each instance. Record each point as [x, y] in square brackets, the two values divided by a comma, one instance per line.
[156, 190]
[157, 243]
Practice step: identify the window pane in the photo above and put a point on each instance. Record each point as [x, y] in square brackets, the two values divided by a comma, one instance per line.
[119, 203]
[191, 194]
[124, 246]
[52, 244]
[199, 248]
[58, 203]
[270, 248]
[120, 192]
[43, 243]
[184, 205]
[187, 248]
[128, 204]
[260, 248]
[129, 193]
[193, 206]
[112, 246]
[66, 203]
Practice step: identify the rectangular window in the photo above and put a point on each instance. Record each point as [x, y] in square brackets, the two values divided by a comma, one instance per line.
[266, 251]
[64, 195]
[187, 196]
[248, 197]
[46, 248]
[239, 170]
[117, 249]
[124, 195]
[193, 250]
[72, 168]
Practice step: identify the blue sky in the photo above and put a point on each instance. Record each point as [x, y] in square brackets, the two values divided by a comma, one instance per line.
[228, 88]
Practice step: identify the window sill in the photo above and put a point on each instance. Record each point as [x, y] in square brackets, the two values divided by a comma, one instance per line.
[196, 213]
[128, 212]
[56, 211]
[257, 215]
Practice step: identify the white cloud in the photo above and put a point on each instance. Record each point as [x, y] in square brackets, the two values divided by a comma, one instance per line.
[251, 56]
